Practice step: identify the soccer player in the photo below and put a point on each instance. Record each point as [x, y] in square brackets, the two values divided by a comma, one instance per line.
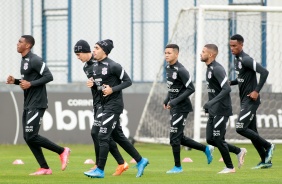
[180, 87]
[246, 69]
[35, 75]
[83, 53]
[219, 109]
[110, 78]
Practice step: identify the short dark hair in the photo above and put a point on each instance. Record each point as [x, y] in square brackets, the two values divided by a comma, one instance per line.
[237, 37]
[29, 39]
[173, 46]
[212, 47]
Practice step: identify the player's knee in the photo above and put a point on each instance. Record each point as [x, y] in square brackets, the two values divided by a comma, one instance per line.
[175, 142]
[210, 141]
[240, 130]
[30, 139]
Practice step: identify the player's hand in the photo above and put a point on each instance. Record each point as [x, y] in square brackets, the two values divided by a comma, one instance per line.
[206, 106]
[253, 95]
[107, 90]
[24, 84]
[10, 80]
[166, 107]
[90, 82]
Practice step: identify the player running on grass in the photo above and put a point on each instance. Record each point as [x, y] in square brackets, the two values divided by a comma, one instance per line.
[246, 69]
[35, 75]
[180, 87]
[219, 109]
[83, 53]
[110, 79]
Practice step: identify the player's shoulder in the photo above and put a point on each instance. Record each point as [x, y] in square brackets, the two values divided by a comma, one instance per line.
[216, 66]
[113, 65]
[246, 57]
[35, 57]
[179, 66]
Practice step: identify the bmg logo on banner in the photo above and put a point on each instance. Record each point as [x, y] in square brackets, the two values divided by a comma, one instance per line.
[76, 116]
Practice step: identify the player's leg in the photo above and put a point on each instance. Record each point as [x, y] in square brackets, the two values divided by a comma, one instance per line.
[219, 130]
[122, 165]
[32, 131]
[177, 124]
[245, 119]
[260, 149]
[119, 137]
[35, 141]
[186, 141]
[95, 131]
[209, 131]
[108, 123]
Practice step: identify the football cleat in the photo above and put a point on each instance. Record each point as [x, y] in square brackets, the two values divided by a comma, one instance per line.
[64, 157]
[174, 170]
[241, 157]
[208, 151]
[141, 166]
[121, 168]
[42, 171]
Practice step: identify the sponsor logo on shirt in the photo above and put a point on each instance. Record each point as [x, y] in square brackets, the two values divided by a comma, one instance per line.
[173, 90]
[211, 90]
[240, 80]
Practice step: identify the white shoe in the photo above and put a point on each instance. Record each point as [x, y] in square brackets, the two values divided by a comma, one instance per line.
[227, 171]
[241, 157]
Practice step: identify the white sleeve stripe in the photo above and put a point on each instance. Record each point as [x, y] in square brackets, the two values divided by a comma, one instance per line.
[42, 68]
[188, 82]
[223, 82]
[121, 75]
[255, 65]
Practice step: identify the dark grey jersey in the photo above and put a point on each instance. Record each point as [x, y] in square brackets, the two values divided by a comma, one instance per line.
[34, 70]
[111, 73]
[88, 70]
[246, 68]
[218, 90]
[180, 87]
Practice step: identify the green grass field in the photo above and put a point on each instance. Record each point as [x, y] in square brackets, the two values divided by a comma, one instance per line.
[160, 158]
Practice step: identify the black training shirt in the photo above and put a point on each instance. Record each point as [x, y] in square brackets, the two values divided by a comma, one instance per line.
[218, 91]
[246, 68]
[179, 87]
[88, 70]
[35, 71]
[111, 73]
